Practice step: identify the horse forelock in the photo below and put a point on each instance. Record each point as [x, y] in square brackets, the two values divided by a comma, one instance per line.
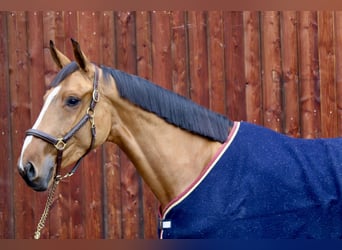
[64, 73]
[171, 107]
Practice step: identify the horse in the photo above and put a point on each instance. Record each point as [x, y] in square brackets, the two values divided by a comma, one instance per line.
[213, 177]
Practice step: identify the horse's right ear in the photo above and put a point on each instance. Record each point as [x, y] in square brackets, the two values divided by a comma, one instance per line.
[59, 58]
[80, 58]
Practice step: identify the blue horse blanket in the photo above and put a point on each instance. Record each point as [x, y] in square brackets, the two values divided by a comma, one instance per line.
[262, 184]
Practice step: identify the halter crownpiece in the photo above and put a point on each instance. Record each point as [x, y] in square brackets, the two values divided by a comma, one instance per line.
[60, 144]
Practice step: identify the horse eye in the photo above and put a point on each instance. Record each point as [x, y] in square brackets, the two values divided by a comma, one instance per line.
[72, 101]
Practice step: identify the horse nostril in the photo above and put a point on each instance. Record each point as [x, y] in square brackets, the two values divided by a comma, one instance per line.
[30, 171]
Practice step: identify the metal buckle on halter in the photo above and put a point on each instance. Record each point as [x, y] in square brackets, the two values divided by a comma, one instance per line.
[60, 144]
[96, 96]
[91, 114]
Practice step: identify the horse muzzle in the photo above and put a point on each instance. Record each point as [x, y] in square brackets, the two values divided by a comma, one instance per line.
[37, 180]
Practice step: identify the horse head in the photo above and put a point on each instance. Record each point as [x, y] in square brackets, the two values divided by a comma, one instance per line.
[61, 130]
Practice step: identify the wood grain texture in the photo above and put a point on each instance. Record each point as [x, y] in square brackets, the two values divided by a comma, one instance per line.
[252, 64]
[198, 57]
[216, 63]
[179, 52]
[327, 73]
[338, 68]
[289, 58]
[309, 103]
[271, 69]
[6, 173]
[235, 69]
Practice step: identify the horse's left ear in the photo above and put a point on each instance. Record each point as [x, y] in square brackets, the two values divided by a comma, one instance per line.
[80, 58]
[58, 57]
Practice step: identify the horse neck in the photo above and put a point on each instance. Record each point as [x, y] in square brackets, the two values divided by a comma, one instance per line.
[168, 158]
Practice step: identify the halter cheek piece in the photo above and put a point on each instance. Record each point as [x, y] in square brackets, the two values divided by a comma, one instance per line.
[61, 142]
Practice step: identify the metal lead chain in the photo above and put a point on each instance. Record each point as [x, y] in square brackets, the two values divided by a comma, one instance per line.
[48, 204]
[60, 177]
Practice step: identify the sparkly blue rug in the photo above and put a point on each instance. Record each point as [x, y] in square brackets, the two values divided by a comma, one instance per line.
[262, 185]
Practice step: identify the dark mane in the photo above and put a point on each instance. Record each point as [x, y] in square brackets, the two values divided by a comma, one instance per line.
[173, 108]
[63, 73]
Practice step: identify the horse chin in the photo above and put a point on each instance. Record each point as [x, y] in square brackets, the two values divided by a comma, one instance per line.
[45, 183]
[39, 188]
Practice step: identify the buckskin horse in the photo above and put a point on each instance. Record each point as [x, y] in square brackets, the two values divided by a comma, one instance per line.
[214, 178]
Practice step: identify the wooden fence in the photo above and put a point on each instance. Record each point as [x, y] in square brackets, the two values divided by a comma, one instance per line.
[278, 69]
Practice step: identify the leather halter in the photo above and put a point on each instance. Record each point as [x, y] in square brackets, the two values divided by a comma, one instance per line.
[61, 142]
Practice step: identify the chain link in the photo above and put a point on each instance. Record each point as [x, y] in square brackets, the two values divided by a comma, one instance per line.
[59, 177]
[48, 204]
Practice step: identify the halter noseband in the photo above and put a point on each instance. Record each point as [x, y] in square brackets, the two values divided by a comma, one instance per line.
[61, 142]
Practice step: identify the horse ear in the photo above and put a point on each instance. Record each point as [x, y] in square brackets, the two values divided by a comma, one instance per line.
[59, 58]
[81, 59]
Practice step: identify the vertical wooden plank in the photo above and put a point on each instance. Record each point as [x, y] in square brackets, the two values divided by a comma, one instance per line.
[144, 67]
[290, 73]
[161, 47]
[112, 179]
[144, 44]
[70, 31]
[113, 205]
[338, 68]
[76, 210]
[89, 31]
[309, 75]
[107, 39]
[6, 173]
[180, 80]
[235, 75]
[327, 73]
[272, 101]
[126, 44]
[20, 120]
[198, 57]
[253, 67]
[60, 31]
[130, 181]
[216, 53]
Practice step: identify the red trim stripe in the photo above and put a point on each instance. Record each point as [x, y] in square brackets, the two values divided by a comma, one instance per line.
[204, 173]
